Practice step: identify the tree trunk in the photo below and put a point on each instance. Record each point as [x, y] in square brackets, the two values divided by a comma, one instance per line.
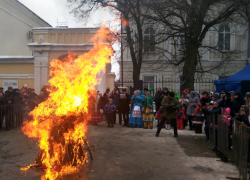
[189, 67]
[136, 76]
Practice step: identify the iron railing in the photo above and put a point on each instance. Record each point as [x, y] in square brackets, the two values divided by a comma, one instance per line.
[220, 137]
[12, 116]
[171, 84]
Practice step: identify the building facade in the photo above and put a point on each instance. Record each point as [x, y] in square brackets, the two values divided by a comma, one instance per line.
[28, 44]
[157, 69]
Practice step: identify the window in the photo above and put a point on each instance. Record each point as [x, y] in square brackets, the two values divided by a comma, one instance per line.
[149, 40]
[148, 82]
[224, 38]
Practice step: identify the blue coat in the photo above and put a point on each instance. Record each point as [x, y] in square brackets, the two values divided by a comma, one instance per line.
[110, 108]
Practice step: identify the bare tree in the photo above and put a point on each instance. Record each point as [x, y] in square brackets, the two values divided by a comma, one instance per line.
[186, 24]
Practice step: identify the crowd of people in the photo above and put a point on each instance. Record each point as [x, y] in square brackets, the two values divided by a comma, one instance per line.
[189, 109]
[17, 103]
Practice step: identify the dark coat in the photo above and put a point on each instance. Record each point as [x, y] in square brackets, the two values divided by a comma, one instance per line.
[110, 108]
[8, 95]
[17, 98]
[237, 103]
[242, 118]
[204, 101]
[101, 103]
[167, 111]
[125, 103]
[226, 102]
[157, 97]
[116, 100]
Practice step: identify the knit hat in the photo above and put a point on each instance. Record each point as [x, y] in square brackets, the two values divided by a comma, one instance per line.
[228, 111]
[193, 93]
[25, 85]
[110, 100]
[247, 94]
[171, 94]
[10, 87]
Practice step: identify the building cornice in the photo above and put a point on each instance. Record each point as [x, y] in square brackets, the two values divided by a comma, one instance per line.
[16, 59]
[17, 76]
[60, 47]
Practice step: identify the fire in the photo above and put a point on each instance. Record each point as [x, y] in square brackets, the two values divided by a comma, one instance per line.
[60, 122]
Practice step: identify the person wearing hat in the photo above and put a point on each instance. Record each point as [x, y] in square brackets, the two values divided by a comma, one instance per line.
[148, 114]
[116, 100]
[110, 109]
[125, 102]
[237, 103]
[24, 89]
[193, 100]
[8, 94]
[169, 104]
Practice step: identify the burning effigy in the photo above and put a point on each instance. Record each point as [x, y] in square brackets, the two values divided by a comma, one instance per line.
[60, 122]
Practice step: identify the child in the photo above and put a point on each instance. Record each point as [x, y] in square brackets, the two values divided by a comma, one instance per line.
[198, 119]
[181, 117]
[110, 109]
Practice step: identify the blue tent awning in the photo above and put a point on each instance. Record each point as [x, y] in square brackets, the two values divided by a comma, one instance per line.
[233, 83]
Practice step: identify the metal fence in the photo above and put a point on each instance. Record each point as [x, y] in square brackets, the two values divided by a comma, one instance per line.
[240, 141]
[12, 116]
[219, 136]
[212, 136]
[223, 135]
[171, 84]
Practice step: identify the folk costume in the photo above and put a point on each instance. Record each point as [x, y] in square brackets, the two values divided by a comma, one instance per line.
[148, 114]
[96, 114]
[135, 119]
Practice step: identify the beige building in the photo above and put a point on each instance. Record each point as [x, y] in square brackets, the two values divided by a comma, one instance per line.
[28, 44]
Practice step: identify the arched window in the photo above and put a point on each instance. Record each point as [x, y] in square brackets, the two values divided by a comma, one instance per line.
[149, 40]
[224, 38]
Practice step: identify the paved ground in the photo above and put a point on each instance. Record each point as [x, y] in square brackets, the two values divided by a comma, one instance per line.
[123, 153]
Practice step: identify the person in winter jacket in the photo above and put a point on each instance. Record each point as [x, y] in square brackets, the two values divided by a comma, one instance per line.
[170, 105]
[110, 109]
[23, 90]
[193, 100]
[116, 100]
[205, 98]
[242, 116]
[17, 101]
[2, 108]
[237, 103]
[226, 101]
[180, 118]
[1, 92]
[157, 99]
[9, 114]
[125, 102]
[8, 94]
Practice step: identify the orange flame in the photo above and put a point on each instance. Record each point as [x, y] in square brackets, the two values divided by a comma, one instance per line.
[61, 120]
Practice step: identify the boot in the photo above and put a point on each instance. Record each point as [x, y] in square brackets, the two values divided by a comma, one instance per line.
[145, 126]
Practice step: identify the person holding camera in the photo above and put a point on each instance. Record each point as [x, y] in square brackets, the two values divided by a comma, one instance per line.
[170, 105]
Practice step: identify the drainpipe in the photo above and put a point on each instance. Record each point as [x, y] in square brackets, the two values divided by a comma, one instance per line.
[248, 44]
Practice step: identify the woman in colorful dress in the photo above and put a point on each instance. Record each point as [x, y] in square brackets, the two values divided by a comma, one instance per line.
[148, 114]
[135, 119]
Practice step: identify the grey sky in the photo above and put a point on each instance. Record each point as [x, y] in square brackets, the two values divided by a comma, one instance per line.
[51, 10]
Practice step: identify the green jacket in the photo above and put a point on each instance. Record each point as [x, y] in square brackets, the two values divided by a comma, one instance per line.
[148, 102]
[169, 113]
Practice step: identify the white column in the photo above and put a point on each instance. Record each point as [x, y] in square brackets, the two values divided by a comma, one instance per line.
[44, 72]
[37, 75]
[102, 86]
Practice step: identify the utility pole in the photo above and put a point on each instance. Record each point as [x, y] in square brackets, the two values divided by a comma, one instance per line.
[121, 54]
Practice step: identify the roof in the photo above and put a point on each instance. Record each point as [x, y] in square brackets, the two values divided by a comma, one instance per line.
[242, 75]
[33, 13]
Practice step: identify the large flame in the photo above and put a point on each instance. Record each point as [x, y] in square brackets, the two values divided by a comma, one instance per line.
[59, 123]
